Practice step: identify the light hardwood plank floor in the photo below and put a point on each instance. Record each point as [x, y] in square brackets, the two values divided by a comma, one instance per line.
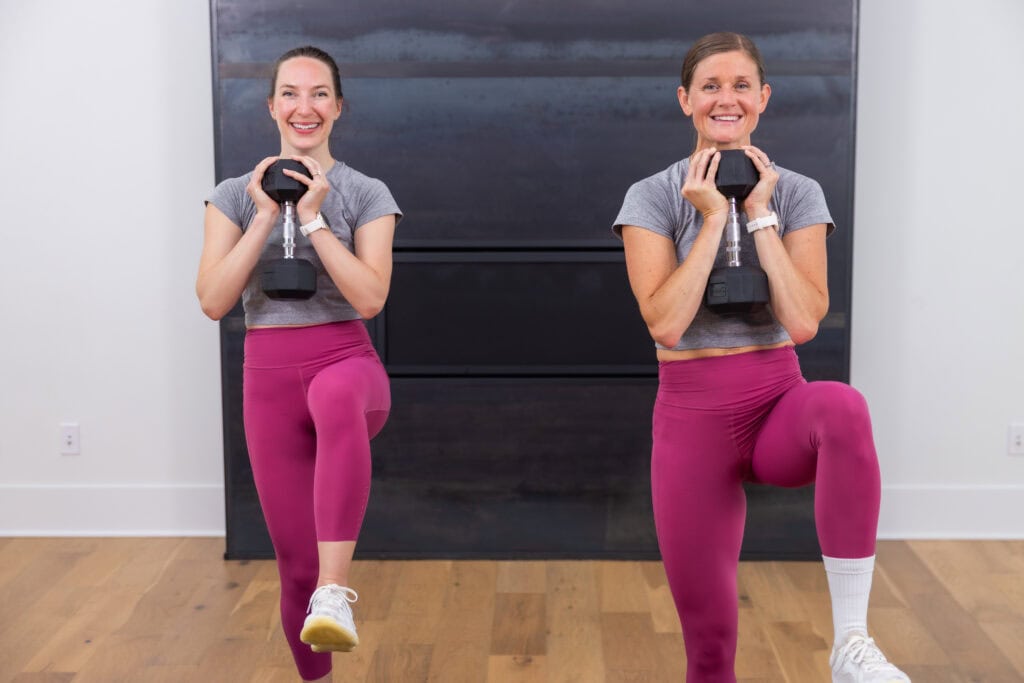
[171, 609]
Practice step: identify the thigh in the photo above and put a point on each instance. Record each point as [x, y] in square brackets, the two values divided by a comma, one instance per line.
[699, 507]
[282, 450]
[354, 389]
[788, 444]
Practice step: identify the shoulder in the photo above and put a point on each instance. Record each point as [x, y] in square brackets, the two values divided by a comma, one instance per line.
[801, 201]
[230, 195]
[347, 177]
[670, 179]
[796, 183]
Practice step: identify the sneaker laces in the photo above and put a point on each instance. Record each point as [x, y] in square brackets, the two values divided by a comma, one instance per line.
[862, 650]
[330, 593]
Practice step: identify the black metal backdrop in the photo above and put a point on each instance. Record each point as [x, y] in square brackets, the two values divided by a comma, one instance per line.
[522, 376]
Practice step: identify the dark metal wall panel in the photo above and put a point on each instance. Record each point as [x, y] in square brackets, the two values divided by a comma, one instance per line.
[509, 134]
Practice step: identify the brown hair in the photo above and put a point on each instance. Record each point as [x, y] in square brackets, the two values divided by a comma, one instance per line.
[314, 53]
[715, 43]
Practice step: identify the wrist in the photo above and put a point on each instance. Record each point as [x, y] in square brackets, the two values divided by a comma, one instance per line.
[763, 222]
[756, 211]
[318, 222]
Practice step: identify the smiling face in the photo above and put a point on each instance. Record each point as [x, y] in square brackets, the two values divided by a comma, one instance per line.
[304, 104]
[725, 98]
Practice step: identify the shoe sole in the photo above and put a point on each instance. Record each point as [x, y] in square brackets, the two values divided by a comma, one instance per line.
[323, 634]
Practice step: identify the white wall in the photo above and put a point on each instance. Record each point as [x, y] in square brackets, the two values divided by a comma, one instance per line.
[108, 154]
[108, 134]
[938, 316]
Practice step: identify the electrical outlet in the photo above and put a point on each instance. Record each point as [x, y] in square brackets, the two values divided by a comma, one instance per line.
[1015, 440]
[69, 438]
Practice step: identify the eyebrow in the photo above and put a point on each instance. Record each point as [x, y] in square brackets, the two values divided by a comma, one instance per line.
[295, 87]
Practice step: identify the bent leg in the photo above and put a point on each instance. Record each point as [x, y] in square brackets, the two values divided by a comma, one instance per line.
[820, 432]
[349, 403]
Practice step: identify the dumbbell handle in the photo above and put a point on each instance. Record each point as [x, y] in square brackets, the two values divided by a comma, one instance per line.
[289, 229]
[732, 234]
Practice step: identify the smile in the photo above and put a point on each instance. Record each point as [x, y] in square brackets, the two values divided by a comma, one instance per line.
[726, 119]
[305, 126]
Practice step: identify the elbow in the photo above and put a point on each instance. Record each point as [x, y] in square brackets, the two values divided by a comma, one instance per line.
[665, 335]
[369, 310]
[803, 335]
[211, 309]
[803, 332]
[212, 312]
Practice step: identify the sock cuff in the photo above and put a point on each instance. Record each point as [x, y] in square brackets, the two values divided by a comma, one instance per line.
[840, 565]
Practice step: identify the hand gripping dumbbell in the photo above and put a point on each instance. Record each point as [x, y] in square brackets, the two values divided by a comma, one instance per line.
[735, 288]
[287, 278]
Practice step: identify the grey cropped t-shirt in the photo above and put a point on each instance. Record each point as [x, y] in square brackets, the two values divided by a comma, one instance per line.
[353, 201]
[656, 204]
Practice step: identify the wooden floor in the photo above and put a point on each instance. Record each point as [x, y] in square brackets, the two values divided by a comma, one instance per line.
[113, 610]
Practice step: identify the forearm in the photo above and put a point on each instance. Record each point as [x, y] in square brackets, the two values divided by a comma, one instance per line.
[220, 285]
[361, 285]
[672, 307]
[798, 303]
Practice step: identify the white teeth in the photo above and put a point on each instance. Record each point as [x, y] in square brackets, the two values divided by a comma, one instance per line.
[726, 118]
[305, 126]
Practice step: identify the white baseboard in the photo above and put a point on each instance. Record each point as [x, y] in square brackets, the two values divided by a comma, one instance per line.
[952, 512]
[112, 510]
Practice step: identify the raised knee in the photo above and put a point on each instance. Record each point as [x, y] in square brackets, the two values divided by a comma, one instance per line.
[839, 405]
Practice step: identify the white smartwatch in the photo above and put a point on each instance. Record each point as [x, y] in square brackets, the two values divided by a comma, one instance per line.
[315, 224]
[769, 221]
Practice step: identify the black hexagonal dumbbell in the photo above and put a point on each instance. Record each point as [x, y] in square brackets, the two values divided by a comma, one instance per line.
[287, 278]
[735, 288]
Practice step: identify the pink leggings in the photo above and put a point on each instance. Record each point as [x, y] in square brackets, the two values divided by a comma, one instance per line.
[721, 421]
[313, 397]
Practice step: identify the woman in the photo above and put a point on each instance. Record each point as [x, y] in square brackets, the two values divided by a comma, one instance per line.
[732, 405]
[314, 390]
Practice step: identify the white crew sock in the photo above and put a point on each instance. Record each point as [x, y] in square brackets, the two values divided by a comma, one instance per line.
[849, 583]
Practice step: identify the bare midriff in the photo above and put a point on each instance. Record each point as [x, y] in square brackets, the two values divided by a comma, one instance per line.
[690, 354]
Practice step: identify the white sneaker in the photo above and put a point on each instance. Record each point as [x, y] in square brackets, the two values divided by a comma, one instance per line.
[329, 625]
[860, 661]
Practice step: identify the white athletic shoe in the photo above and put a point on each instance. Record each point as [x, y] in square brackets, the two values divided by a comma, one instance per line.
[860, 661]
[329, 625]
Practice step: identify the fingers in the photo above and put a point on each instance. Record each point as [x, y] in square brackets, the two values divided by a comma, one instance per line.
[699, 164]
[760, 159]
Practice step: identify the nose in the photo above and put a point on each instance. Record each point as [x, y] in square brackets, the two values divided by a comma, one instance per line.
[305, 105]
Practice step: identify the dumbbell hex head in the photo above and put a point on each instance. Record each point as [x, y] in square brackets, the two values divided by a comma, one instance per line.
[289, 279]
[736, 289]
[280, 187]
[736, 175]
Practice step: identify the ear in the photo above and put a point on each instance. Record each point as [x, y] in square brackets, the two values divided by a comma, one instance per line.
[684, 101]
[270, 108]
[766, 93]
[340, 101]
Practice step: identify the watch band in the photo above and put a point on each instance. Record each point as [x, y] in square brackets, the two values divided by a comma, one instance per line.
[314, 225]
[771, 220]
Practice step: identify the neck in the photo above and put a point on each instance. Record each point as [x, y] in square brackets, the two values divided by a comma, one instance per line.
[704, 144]
[322, 155]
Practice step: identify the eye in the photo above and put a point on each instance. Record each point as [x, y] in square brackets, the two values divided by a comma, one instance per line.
[287, 93]
[323, 93]
[743, 86]
[710, 87]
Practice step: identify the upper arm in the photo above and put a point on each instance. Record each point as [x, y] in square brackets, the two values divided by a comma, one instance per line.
[650, 260]
[220, 235]
[806, 249]
[373, 242]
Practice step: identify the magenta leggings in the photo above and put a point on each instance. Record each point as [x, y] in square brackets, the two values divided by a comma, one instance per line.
[313, 397]
[721, 421]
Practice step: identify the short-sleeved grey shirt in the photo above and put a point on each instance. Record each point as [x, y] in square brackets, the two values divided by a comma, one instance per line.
[656, 204]
[353, 201]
